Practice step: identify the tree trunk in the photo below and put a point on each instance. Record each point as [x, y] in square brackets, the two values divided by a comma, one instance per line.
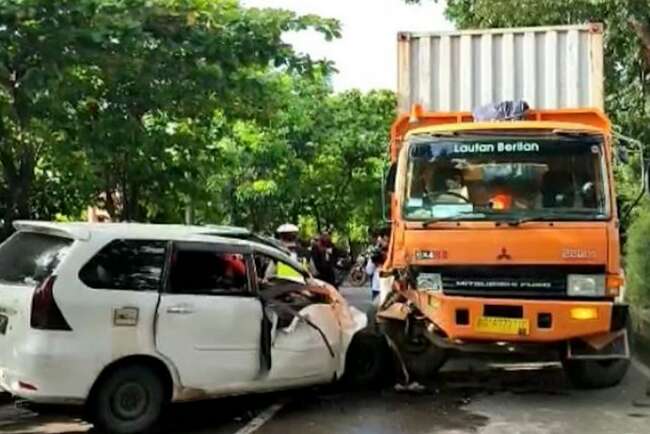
[642, 30]
[19, 185]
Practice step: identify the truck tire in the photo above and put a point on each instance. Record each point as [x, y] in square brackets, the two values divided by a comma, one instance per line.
[596, 374]
[367, 362]
[421, 357]
[128, 401]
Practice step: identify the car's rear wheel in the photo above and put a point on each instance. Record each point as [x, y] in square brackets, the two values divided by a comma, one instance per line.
[129, 400]
[596, 374]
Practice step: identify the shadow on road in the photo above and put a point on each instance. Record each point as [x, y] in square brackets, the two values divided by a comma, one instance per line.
[445, 405]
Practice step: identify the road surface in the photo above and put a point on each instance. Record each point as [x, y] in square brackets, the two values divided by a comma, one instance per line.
[470, 396]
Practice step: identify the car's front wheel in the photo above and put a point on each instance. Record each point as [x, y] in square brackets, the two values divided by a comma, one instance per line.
[127, 401]
[368, 360]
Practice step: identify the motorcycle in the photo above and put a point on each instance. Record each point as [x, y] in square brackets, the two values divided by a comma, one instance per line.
[342, 268]
[358, 276]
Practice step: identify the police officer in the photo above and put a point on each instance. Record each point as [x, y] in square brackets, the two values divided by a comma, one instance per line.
[287, 234]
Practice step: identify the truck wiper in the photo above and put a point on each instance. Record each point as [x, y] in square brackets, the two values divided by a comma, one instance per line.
[517, 222]
[549, 217]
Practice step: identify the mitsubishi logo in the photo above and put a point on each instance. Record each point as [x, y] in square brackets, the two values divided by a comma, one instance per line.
[504, 255]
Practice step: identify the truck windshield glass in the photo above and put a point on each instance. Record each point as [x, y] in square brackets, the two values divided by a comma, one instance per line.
[506, 178]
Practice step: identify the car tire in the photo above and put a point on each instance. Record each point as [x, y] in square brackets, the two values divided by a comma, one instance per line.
[128, 401]
[368, 361]
[596, 374]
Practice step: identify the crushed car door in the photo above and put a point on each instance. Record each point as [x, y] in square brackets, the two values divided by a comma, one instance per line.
[209, 321]
[306, 335]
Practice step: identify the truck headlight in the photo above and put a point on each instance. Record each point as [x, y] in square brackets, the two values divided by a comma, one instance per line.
[586, 285]
[429, 281]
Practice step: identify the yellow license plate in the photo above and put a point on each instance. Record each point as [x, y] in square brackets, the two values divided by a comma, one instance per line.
[503, 326]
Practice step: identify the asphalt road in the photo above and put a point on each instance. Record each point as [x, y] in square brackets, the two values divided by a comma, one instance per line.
[470, 396]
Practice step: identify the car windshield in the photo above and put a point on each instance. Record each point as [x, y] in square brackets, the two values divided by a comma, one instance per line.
[501, 178]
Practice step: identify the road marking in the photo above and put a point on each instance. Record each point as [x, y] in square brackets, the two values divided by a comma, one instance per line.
[258, 421]
[641, 367]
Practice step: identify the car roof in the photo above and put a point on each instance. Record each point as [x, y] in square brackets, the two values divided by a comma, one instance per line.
[83, 230]
[230, 235]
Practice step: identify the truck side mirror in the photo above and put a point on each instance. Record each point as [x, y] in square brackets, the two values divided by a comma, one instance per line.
[390, 178]
[387, 189]
[622, 155]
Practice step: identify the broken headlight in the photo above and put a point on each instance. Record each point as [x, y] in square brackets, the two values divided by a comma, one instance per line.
[429, 281]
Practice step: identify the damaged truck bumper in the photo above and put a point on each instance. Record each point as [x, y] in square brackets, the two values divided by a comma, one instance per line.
[543, 321]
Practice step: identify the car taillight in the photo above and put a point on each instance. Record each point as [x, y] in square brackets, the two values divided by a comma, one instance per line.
[46, 315]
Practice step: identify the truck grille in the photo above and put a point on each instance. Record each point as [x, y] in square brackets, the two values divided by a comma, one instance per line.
[510, 281]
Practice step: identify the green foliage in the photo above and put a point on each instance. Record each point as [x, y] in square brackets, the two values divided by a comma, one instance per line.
[638, 261]
[318, 160]
[146, 107]
[119, 97]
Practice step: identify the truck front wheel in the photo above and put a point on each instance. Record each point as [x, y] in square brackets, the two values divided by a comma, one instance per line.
[422, 359]
[596, 374]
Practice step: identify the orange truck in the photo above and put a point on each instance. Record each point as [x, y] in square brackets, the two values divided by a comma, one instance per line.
[504, 233]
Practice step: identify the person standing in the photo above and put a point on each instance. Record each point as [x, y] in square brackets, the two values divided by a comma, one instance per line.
[287, 234]
[323, 258]
[375, 262]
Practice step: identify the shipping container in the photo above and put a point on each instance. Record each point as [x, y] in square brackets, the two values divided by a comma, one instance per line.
[549, 67]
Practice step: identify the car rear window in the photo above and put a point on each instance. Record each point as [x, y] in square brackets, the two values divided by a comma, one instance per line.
[29, 257]
[134, 265]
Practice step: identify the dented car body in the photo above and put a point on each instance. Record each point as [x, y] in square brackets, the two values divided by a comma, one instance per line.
[90, 306]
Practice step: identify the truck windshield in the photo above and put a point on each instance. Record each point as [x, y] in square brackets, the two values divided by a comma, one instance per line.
[517, 178]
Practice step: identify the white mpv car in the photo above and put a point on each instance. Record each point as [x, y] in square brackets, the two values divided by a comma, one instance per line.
[127, 317]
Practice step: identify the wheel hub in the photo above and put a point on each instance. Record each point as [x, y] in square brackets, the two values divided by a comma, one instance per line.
[130, 401]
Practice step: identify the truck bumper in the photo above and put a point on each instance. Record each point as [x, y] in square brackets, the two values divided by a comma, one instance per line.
[548, 320]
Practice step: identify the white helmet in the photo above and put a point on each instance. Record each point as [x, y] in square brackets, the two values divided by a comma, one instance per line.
[287, 228]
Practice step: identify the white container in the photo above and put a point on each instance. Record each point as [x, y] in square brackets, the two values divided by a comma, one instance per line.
[549, 67]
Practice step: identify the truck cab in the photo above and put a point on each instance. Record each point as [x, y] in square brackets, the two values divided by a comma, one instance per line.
[505, 239]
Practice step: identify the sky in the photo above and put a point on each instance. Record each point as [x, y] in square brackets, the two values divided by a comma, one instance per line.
[366, 55]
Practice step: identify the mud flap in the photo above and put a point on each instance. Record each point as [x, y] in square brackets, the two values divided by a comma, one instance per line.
[613, 345]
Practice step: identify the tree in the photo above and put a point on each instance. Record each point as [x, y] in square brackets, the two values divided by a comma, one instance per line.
[125, 91]
[320, 158]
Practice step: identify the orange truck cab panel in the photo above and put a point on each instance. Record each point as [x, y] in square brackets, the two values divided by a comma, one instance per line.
[506, 231]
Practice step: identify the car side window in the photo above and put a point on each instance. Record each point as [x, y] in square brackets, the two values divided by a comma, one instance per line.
[135, 265]
[203, 271]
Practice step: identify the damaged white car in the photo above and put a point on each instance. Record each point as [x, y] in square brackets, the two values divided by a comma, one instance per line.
[125, 318]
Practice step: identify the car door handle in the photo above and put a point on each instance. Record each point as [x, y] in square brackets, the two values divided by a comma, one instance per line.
[180, 310]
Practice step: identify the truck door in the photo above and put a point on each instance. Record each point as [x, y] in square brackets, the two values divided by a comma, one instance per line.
[209, 321]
